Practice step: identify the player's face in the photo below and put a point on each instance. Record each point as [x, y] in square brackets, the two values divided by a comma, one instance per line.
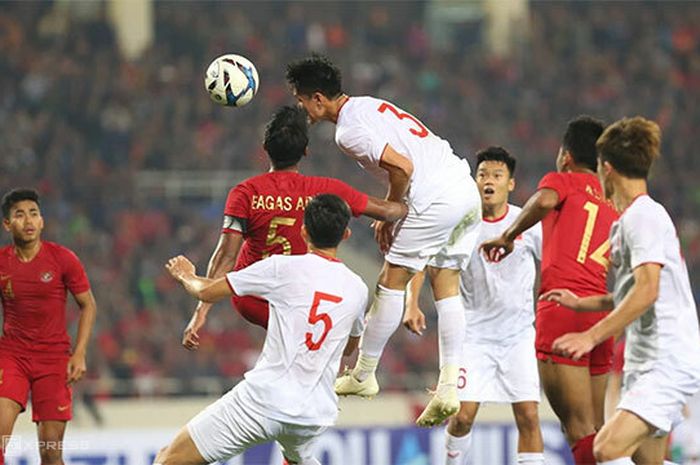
[561, 160]
[25, 222]
[494, 181]
[313, 106]
[604, 177]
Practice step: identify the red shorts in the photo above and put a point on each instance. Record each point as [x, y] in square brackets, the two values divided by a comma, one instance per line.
[45, 376]
[554, 321]
[253, 309]
[619, 356]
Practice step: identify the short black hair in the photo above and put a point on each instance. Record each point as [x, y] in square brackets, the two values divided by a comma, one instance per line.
[315, 74]
[494, 153]
[579, 140]
[326, 217]
[286, 137]
[15, 196]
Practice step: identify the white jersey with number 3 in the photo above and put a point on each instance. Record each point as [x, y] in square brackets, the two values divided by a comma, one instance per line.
[499, 297]
[316, 303]
[366, 125]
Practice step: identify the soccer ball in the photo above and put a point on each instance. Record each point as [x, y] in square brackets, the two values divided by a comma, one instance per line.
[231, 80]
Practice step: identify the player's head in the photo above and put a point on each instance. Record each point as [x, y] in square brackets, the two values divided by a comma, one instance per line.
[286, 137]
[495, 170]
[627, 149]
[326, 219]
[578, 144]
[316, 84]
[21, 215]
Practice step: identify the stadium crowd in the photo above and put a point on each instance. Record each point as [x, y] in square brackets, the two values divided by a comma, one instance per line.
[78, 122]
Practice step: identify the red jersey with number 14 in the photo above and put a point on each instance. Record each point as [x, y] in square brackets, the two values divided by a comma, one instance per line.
[269, 211]
[34, 298]
[575, 244]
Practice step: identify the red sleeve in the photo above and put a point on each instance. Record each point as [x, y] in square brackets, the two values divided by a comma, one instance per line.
[74, 276]
[556, 181]
[237, 204]
[356, 199]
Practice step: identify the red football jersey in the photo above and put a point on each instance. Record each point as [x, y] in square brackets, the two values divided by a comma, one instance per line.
[34, 298]
[271, 209]
[575, 235]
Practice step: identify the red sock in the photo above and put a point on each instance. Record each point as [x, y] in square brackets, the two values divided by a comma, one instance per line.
[583, 451]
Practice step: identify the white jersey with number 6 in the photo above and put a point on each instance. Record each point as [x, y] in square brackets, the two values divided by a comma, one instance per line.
[316, 303]
[366, 125]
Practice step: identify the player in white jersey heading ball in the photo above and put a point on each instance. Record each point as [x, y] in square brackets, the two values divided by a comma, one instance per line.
[653, 301]
[438, 233]
[316, 304]
[499, 362]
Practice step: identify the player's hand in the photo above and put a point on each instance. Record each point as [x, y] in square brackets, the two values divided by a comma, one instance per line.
[179, 267]
[190, 337]
[561, 296]
[497, 249]
[574, 345]
[414, 320]
[77, 366]
[384, 235]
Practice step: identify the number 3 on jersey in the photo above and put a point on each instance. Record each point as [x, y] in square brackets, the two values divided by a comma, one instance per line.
[598, 254]
[422, 131]
[324, 318]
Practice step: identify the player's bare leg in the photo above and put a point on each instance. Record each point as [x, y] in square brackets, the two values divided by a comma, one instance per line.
[612, 394]
[459, 440]
[383, 318]
[50, 435]
[9, 410]
[568, 389]
[620, 438]
[530, 443]
[182, 451]
[599, 386]
[451, 328]
[651, 451]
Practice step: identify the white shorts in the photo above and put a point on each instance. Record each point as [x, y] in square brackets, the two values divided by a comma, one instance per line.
[657, 396]
[444, 235]
[499, 373]
[227, 428]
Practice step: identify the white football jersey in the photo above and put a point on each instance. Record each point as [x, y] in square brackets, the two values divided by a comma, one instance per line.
[668, 331]
[315, 305]
[498, 297]
[366, 125]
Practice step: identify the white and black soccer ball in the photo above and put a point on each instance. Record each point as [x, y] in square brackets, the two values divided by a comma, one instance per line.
[231, 80]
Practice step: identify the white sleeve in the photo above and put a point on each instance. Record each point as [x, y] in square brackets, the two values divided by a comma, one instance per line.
[258, 279]
[358, 325]
[534, 235]
[645, 233]
[361, 143]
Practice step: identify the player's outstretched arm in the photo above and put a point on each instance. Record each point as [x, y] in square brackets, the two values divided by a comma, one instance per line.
[385, 210]
[640, 297]
[537, 207]
[77, 365]
[222, 261]
[205, 289]
[593, 303]
[414, 318]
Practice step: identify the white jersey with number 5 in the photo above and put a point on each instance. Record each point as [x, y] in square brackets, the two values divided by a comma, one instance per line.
[316, 303]
[499, 297]
[366, 125]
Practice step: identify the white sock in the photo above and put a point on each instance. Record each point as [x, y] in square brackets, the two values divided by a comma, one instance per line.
[458, 449]
[668, 462]
[530, 458]
[451, 328]
[382, 320]
[620, 461]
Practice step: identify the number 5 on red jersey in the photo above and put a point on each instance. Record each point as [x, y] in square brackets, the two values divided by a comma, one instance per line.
[324, 318]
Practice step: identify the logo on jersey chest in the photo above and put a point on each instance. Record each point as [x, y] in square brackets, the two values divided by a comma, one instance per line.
[46, 277]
